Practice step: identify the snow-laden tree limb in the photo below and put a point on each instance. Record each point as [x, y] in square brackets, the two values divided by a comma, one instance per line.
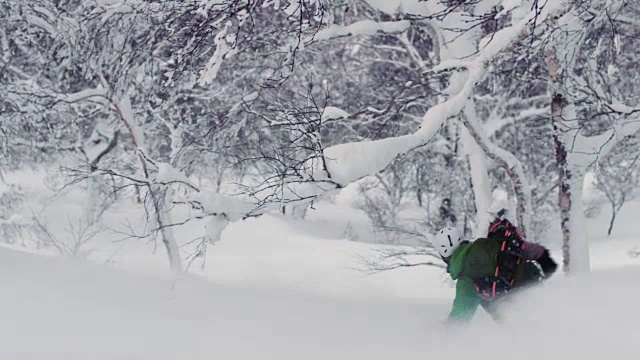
[495, 125]
[345, 163]
[479, 180]
[509, 162]
[224, 46]
[352, 161]
[475, 69]
[325, 170]
[363, 27]
[83, 95]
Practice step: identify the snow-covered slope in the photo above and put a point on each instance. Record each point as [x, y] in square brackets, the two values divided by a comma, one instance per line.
[55, 309]
[281, 288]
[52, 309]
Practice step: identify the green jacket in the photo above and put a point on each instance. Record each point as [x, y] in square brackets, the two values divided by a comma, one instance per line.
[468, 261]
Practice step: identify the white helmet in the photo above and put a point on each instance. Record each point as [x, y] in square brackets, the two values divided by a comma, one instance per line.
[447, 240]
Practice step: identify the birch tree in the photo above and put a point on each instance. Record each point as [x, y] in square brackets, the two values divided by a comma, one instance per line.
[275, 104]
[576, 78]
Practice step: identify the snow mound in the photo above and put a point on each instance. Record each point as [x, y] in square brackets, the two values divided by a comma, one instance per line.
[55, 309]
[331, 112]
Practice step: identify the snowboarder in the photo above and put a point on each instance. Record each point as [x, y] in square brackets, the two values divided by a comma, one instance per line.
[487, 269]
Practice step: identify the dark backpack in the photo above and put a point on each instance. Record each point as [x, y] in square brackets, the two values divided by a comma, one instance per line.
[508, 258]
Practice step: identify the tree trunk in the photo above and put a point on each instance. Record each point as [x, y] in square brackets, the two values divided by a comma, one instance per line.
[506, 160]
[418, 187]
[298, 211]
[570, 178]
[575, 246]
[163, 220]
[575, 152]
[138, 195]
[480, 183]
[579, 249]
[214, 228]
[564, 177]
[614, 212]
[93, 198]
[92, 212]
[159, 198]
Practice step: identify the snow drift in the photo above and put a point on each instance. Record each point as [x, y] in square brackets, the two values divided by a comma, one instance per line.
[55, 309]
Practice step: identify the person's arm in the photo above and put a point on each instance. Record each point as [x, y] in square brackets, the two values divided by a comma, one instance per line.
[533, 251]
[540, 254]
[466, 302]
[547, 264]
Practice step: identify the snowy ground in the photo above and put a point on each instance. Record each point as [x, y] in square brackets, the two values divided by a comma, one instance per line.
[52, 309]
[57, 309]
[278, 288]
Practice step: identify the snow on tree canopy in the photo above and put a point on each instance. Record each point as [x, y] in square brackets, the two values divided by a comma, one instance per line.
[331, 112]
[169, 174]
[352, 161]
[426, 103]
[224, 45]
[507, 6]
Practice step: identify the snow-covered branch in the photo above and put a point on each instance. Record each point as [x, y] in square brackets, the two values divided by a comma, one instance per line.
[82, 95]
[510, 163]
[392, 258]
[622, 109]
[495, 125]
[196, 122]
[450, 65]
[363, 27]
[346, 163]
